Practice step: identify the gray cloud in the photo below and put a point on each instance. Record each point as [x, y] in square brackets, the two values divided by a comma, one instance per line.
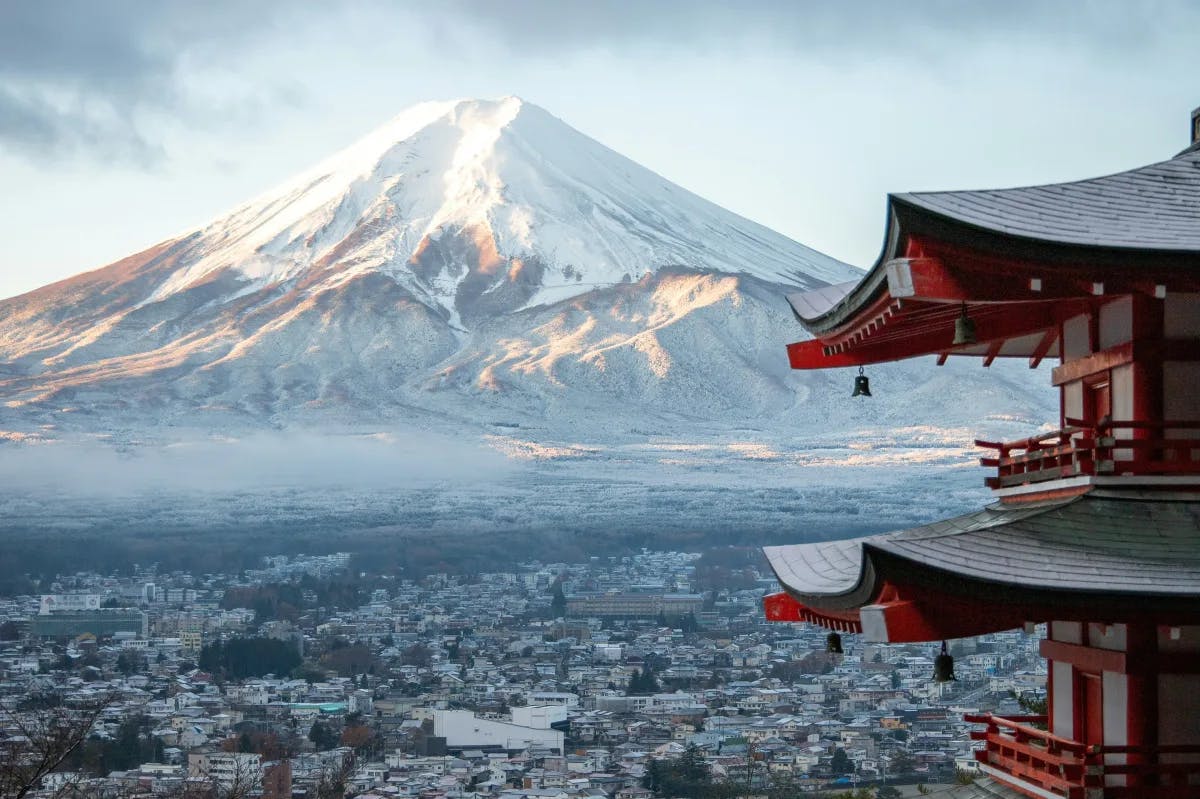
[34, 127]
[81, 77]
[879, 28]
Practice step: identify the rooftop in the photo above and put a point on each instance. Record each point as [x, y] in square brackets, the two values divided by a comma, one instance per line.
[1154, 207]
[1074, 243]
[1098, 548]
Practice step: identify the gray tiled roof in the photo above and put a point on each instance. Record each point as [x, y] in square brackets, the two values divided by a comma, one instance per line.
[1152, 211]
[1091, 543]
[826, 568]
[1155, 207]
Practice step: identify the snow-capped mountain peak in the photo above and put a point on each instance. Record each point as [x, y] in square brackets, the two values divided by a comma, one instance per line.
[477, 249]
[548, 213]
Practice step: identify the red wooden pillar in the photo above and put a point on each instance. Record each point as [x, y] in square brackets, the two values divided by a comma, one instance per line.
[1142, 697]
[1050, 685]
[1147, 373]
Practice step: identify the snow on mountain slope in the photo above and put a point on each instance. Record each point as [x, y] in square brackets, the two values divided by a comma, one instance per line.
[345, 283]
[695, 354]
[470, 262]
[513, 180]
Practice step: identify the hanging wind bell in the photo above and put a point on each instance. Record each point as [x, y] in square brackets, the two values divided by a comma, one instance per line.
[964, 328]
[943, 666]
[862, 385]
[833, 644]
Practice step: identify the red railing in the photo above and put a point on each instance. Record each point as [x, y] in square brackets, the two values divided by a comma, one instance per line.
[1105, 448]
[1025, 756]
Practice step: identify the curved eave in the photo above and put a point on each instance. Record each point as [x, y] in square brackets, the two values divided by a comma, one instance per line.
[822, 311]
[1145, 218]
[830, 575]
[1088, 547]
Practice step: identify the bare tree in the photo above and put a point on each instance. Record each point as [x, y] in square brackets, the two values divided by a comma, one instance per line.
[37, 740]
[334, 778]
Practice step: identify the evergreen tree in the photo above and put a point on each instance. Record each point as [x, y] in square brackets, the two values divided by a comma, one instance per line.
[692, 767]
[9, 631]
[558, 600]
[238, 658]
[689, 775]
[902, 763]
[642, 683]
[128, 662]
[652, 779]
[841, 763]
[322, 737]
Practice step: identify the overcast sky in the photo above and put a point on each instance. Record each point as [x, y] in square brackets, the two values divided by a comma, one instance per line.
[125, 123]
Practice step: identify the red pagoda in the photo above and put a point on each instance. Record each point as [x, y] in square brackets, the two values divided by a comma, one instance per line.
[1095, 528]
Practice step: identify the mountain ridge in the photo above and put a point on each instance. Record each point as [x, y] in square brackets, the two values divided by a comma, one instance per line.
[449, 216]
[467, 261]
[505, 172]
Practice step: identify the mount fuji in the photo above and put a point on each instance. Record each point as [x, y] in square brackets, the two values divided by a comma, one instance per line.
[480, 270]
[435, 235]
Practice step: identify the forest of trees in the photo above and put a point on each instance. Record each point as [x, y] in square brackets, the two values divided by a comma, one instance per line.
[284, 601]
[239, 658]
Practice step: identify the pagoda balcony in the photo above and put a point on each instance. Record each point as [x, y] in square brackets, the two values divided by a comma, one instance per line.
[1105, 449]
[1040, 764]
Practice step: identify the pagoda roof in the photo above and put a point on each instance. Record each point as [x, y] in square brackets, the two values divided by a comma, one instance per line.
[1098, 544]
[1137, 230]
[1155, 207]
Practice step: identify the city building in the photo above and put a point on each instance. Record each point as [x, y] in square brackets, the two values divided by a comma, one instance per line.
[463, 729]
[520, 680]
[240, 774]
[633, 605]
[102, 623]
